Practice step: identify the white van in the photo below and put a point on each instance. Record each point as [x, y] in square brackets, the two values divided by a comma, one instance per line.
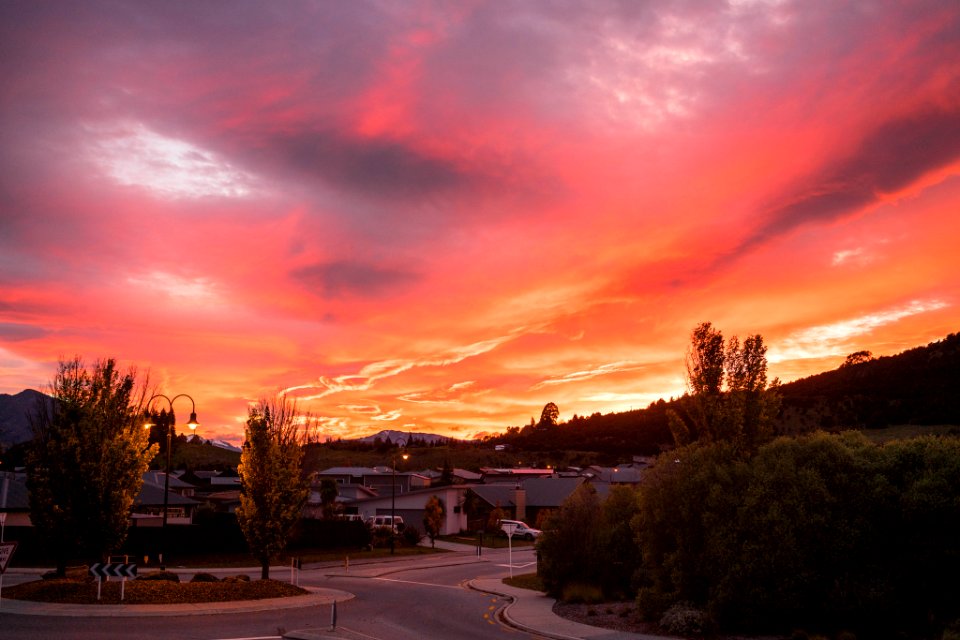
[378, 522]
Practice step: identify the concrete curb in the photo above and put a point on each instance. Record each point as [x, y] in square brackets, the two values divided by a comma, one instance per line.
[30, 608]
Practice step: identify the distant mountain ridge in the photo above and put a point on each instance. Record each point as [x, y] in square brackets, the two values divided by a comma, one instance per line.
[15, 413]
[404, 437]
[221, 444]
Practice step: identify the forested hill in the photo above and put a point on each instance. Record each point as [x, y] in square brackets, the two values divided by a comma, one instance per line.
[920, 386]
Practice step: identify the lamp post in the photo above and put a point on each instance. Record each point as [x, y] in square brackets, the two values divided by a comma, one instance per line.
[393, 500]
[168, 425]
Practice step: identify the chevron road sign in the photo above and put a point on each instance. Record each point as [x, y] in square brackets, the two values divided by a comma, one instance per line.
[113, 569]
[6, 550]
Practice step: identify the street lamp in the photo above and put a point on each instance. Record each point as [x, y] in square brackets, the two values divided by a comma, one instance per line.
[393, 500]
[169, 424]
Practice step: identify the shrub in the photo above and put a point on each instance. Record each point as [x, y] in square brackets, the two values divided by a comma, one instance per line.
[581, 592]
[167, 576]
[240, 577]
[952, 632]
[411, 535]
[683, 619]
[380, 536]
[204, 577]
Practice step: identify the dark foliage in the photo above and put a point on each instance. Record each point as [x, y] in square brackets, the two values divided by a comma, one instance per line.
[822, 531]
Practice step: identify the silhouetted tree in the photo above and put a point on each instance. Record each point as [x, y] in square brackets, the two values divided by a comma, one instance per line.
[743, 410]
[87, 459]
[857, 357]
[272, 489]
[549, 416]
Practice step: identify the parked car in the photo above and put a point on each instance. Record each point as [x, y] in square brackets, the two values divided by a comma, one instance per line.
[350, 517]
[521, 530]
[384, 522]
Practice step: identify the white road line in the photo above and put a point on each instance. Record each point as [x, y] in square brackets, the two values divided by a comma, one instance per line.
[423, 584]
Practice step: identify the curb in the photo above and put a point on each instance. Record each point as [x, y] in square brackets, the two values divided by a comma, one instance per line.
[31, 608]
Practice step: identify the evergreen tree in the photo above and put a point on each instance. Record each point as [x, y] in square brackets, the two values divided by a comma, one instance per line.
[272, 488]
[87, 459]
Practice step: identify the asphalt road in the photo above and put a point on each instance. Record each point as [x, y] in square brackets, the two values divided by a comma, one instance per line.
[396, 601]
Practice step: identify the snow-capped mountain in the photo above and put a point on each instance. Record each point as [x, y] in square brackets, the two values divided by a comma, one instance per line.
[222, 444]
[403, 437]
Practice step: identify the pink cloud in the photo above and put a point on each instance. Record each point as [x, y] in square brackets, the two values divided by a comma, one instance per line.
[371, 205]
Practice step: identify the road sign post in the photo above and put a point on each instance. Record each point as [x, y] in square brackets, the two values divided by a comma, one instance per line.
[116, 569]
[509, 528]
[6, 551]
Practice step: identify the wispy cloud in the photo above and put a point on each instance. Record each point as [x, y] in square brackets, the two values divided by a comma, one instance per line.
[831, 339]
[579, 376]
[370, 374]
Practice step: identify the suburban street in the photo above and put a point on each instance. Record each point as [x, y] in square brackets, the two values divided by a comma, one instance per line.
[422, 597]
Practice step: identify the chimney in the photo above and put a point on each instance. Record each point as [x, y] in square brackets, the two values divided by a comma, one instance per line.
[520, 502]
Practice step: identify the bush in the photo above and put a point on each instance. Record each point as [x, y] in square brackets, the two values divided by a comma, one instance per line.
[581, 593]
[411, 535]
[823, 531]
[380, 537]
[240, 577]
[683, 619]
[167, 576]
[204, 577]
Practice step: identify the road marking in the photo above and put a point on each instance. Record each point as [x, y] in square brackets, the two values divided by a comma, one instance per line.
[423, 584]
[359, 633]
[256, 638]
[518, 566]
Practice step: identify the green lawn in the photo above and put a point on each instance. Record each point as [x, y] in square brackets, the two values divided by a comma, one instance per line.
[306, 555]
[490, 541]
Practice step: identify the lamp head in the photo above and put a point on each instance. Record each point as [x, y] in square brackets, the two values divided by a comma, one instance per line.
[193, 424]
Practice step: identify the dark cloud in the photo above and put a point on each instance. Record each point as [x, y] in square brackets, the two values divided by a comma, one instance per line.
[373, 167]
[890, 158]
[343, 278]
[16, 332]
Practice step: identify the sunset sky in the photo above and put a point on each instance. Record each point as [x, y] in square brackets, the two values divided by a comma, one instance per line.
[439, 216]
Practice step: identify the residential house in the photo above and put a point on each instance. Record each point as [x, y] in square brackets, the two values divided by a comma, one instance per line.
[411, 506]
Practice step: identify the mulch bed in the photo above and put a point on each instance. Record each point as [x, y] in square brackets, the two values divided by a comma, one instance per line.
[619, 616]
[69, 591]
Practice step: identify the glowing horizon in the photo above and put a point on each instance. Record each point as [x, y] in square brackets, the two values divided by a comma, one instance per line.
[438, 218]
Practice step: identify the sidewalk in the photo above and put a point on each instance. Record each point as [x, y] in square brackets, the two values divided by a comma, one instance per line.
[533, 611]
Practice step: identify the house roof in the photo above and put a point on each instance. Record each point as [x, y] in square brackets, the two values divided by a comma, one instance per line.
[549, 492]
[152, 495]
[496, 494]
[349, 471]
[627, 474]
[157, 478]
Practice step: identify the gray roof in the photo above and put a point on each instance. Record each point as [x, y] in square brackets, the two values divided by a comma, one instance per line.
[156, 478]
[152, 495]
[549, 492]
[496, 494]
[626, 474]
[349, 471]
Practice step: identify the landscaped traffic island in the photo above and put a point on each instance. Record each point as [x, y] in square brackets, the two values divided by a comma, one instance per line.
[153, 588]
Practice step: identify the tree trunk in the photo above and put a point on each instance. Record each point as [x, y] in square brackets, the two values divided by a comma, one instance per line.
[265, 568]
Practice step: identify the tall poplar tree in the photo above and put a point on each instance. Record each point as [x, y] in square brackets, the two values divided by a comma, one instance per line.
[87, 458]
[273, 489]
[728, 396]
